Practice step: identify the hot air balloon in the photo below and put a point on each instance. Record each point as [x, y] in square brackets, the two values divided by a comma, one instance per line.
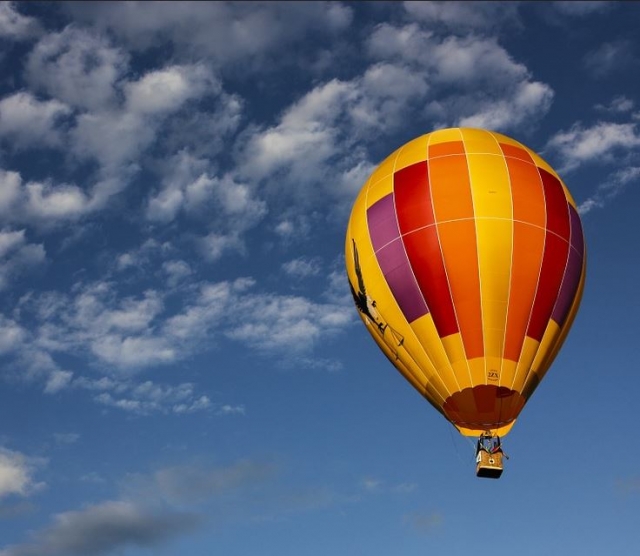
[466, 260]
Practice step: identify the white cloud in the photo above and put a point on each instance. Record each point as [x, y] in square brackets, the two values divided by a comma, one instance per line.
[133, 351]
[529, 101]
[77, 67]
[14, 25]
[166, 90]
[231, 410]
[120, 335]
[103, 528]
[48, 202]
[307, 155]
[469, 60]
[305, 137]
[203, 402]
[116, 137]
[16, 474]
[45, 204]
[188, 186]
[27, 122]
[490, 88]
[271, 322]
[144, 398]
[598, 143]
[11, 335]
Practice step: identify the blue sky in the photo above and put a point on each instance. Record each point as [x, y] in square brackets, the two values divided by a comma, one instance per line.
[182, 370]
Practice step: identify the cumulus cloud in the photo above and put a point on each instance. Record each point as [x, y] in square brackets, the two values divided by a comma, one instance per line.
[528, 101]
[166, 90]
[305, 136]
[77, 67]
[308, 146]
[44, 204]
[491, 88]
[103, 528]
[117, 136]
[14, 25]
[189, 187]
[27, 122]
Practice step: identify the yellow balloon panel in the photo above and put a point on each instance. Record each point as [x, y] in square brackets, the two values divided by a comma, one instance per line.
[466, 258]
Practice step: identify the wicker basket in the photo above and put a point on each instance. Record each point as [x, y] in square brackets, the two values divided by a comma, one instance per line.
[489, 465]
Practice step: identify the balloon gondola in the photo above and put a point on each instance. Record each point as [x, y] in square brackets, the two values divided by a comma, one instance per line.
[466, 260]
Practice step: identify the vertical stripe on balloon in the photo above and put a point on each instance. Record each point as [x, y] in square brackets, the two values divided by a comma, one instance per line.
[573, 271]
[420, 237]
[454, 214]
[393, 261]
[529, 220]
[556, 250]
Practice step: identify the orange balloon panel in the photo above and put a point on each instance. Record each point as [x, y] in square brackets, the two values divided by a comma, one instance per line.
[466, 260]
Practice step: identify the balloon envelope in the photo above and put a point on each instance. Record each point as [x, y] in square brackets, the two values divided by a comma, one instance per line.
[466, 259]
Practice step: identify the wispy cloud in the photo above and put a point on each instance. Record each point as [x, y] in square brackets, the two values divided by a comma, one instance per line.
[17, 255]
[618, 105]
[611, 57]
[595, 144]
[225, 33]
[582, 8]
[610, 189]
